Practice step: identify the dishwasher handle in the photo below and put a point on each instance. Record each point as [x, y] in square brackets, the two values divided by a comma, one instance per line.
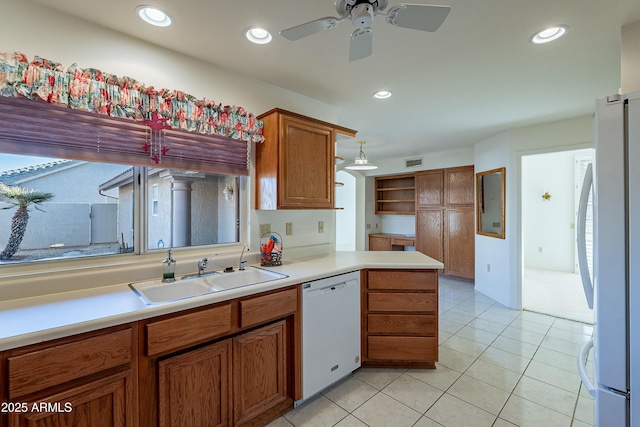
[313, 293]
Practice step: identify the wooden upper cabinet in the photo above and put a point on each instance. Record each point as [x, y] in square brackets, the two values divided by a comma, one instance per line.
[459, 186]
[295, 166]
[429, 188]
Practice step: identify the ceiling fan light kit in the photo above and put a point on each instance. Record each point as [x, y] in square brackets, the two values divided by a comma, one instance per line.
[361, 13]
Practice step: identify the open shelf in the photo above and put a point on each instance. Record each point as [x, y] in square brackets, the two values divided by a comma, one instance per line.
[395, 195]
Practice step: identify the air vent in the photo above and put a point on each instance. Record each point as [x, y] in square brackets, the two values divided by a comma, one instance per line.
[412, 163]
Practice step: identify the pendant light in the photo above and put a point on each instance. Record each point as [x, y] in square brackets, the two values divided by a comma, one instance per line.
[361, 163]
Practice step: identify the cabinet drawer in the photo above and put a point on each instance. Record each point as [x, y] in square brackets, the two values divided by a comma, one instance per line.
[59, 364]
[414, 349]
[402, 324]
[182, 331]
[424, 280]
[257, 310]
[405, 301]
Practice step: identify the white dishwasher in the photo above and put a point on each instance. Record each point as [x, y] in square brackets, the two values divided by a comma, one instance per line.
[330, 331]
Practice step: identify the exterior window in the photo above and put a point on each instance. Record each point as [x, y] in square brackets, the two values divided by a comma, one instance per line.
[154, 200]
[82, 208]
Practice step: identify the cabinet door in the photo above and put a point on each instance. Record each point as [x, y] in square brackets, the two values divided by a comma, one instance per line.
[429, 232]
[459, 243]
[379, 243]
[260, 373]
[306, 165]
[102, 403]
[195, 387]
[459, 186]
[429, 188]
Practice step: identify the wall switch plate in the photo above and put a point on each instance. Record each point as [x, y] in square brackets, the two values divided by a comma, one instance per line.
[265, 229]
[488, 267]
[289, 227]
[320, 226]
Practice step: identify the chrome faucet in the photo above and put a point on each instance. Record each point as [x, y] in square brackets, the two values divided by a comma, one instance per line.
[241, 266]
[202, 264]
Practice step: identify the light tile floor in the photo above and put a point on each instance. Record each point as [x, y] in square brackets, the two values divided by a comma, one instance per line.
[497, 367]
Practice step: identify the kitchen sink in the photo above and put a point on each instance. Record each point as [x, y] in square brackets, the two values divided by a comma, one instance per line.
[239, 278]
[156, 292]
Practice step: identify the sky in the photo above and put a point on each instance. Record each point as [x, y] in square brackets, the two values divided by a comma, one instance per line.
[16, 161]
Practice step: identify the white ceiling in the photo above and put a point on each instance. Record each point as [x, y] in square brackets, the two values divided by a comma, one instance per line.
[476, 76]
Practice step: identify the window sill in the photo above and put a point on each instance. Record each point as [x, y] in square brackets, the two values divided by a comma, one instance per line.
[56, 276]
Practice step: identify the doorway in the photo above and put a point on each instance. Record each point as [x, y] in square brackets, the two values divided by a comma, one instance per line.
[551, 184]
[345, 194]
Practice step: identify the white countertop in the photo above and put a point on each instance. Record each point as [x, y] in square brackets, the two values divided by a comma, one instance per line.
[31, 320]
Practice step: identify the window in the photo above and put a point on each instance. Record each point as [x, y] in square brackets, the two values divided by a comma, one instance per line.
[92, 211]
[94, 193]
[154, 200]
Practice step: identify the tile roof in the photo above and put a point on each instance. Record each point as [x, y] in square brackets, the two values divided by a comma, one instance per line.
[10, 176]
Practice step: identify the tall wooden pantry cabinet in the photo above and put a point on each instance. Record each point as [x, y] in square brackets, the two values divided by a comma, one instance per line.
[445, 218]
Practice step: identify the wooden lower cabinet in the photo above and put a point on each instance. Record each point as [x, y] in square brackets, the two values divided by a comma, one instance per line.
[195, 387]
[228, 364]
[260, 374]
[87, 380]
[399, 318]
[239, 381]
[459, 243]
[100, 403]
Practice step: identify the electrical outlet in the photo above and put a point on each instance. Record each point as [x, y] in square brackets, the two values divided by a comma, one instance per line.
[488, 267]
[289, 227]
[265, 229]
[539, 248]
[320, 226]
[368, 226]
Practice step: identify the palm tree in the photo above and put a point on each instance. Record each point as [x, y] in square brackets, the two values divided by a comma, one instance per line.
[22, 198]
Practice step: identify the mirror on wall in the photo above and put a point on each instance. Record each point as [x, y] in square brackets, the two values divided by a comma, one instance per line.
[490, 203]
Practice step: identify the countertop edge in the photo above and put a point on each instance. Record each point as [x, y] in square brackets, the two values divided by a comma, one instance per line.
[129, 308]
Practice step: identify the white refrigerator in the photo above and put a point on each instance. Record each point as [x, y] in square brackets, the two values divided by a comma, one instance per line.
[614, 291]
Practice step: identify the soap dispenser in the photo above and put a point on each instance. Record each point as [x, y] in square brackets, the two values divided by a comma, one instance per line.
[169, 269]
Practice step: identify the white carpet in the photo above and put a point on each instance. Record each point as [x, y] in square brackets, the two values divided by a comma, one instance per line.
[555, 293]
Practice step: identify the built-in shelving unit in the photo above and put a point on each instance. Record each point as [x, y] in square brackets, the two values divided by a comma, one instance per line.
[395, 194]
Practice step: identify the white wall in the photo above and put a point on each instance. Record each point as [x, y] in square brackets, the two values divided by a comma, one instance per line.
[630, 64]
[503, 283]
[493, 266]
[548, 227]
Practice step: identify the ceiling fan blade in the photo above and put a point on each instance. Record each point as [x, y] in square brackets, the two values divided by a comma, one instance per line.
[361, 44]
[418, 16]
[304, 30]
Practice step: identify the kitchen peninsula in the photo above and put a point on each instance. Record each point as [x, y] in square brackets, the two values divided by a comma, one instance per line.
[103, 344]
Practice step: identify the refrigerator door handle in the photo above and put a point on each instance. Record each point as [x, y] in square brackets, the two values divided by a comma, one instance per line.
[582, 239]
[582, 367]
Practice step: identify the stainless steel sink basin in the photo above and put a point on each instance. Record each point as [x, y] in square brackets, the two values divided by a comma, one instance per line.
[155, 292]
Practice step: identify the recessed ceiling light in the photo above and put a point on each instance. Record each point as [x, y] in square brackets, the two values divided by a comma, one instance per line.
[258, 35]
[382, 94]
[154, 16]
[549, 34]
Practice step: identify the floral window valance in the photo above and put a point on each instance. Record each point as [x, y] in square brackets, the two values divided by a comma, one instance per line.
[107, 94]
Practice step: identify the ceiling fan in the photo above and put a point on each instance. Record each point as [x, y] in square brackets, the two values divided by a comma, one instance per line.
[362, 12]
